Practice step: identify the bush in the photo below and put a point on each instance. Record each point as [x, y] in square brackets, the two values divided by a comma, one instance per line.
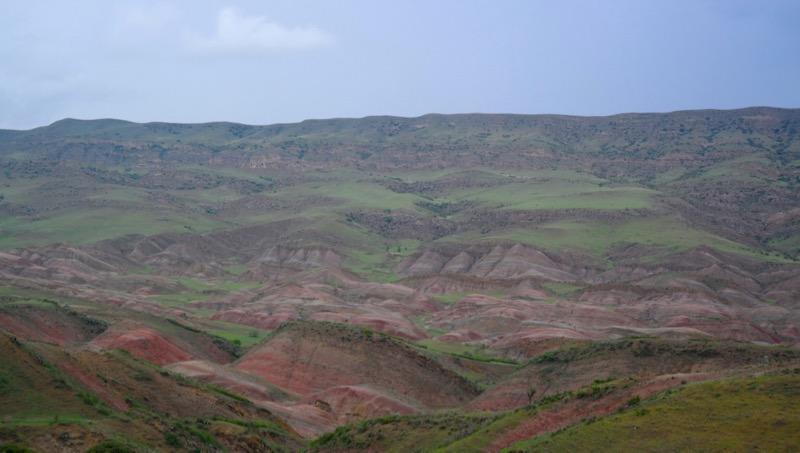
[547, 357]
[89, 398]
[111, 446]
[142, 376]
[173, 440]
[14, 448]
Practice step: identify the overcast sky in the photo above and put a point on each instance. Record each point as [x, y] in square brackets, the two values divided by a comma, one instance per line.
[263, 62]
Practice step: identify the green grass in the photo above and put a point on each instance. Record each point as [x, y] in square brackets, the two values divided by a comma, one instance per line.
[446, 347]
[451, 298]
[37, 394]
[366, 253]
[597, 238]
[214, 195]
[561, 289]
[24, 296]
[245, 336]
[471, 352]
[199, 290]
[480, 439]
[420, 321]
[449, 431]
[372, 265]
[179, 300]
[489, 173]
[733, 169]
[85, 226]
[401, 434]
[532, 198]
[45, 421]
[236, 269]
[232, 172]
[743, 414]
[18, 190]
[257, 424]
[354, 194]
[572, 191]
[732, 415]
[22, 300]
[530, 190]
[789, 245]
[668, 176]
[123, 194]
[197, 285]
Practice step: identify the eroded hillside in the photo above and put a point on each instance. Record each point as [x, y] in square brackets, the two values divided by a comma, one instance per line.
[495, 277]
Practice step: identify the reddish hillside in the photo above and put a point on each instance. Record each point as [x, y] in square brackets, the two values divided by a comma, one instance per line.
[573, 367]
[310, 357]
[49, 323]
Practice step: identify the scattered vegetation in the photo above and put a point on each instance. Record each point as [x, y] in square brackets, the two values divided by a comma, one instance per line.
[730, 415]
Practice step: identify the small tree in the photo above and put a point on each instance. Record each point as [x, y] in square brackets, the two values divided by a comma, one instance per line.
[530, 392]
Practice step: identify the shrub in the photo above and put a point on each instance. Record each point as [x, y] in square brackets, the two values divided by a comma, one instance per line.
[142, 376]
[89, 398]
[172, 440]
[547, 357]
[14, 448]
[112, 446]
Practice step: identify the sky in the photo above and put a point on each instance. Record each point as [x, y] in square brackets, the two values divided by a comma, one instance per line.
[263, 62]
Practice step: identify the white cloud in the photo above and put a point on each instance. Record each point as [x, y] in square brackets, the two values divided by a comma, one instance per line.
[239, 33]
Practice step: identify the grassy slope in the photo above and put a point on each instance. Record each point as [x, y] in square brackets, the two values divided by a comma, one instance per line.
[31, 393]
[732, 415]
[597, 238]
[578, 192]
[86, 226]
[729, 415]
[38, 399]
[197, 331]
[402, 434]
[130, 211]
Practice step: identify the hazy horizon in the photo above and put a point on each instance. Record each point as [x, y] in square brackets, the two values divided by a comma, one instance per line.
[400, 116]
[254, 63]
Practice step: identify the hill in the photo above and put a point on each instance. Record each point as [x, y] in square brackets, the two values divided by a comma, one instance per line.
[725, 415]
[449, 281]
[53, 400]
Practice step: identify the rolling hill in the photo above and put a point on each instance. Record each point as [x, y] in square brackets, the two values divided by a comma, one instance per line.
[472, 282]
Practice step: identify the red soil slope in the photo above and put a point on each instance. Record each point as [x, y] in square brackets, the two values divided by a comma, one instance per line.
[142, 342]
[309, 358]
[50, 324]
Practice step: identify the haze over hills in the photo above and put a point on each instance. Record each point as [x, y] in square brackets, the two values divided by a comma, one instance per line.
[408, 280]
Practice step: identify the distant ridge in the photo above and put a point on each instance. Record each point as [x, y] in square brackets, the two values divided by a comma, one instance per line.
[101, 123]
